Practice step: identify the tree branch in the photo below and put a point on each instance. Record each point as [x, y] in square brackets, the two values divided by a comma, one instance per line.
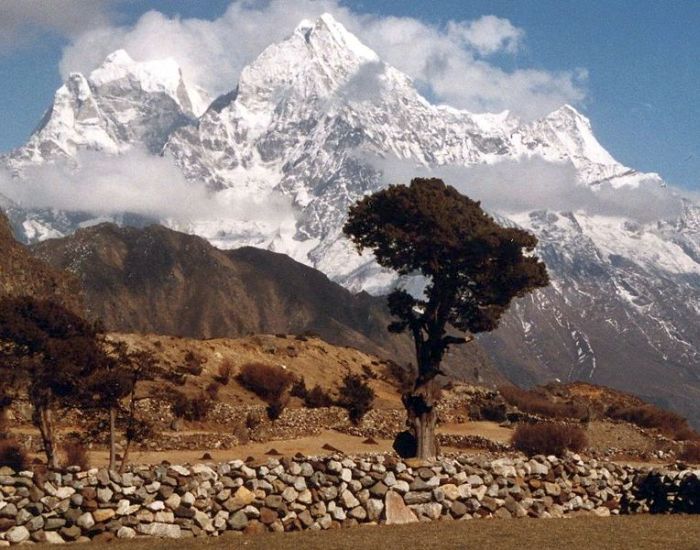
[449, 340]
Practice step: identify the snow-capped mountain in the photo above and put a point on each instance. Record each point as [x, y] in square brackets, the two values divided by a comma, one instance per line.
[311, 122]
[120, 104]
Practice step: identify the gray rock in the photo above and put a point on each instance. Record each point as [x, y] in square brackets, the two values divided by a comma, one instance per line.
[414, 497]
[374, 509]
[458, 509]
[160, 530]
[104, 494]
[290, 494]
[273, 501]
[125, 533]
[238, 521]
[52, 537]
[71, 533]
[86, 521]
[52, 524]
[348, 499]
[17, 534]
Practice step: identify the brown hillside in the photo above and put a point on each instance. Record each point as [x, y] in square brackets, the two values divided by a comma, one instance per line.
[312, 359]
[156, 280]
[22, 274]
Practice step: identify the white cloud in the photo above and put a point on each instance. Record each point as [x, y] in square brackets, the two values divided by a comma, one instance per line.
[510, 187]
[22, 21]
[134, 183]
[447, 61]
[488, 34]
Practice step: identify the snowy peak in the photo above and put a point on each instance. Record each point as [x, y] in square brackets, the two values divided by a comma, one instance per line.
[120, 104]
[314, 61]
[159, 76]
[327, 33]
[575, 133]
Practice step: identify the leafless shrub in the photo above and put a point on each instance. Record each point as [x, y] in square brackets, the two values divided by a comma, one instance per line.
[317, 397]
[265, 381]
[356, 396]
[224, 373]
[549, 438]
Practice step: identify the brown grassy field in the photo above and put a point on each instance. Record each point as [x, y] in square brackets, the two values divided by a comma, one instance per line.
[617, 533]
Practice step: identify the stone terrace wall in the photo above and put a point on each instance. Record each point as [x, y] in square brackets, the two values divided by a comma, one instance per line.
[321, 493]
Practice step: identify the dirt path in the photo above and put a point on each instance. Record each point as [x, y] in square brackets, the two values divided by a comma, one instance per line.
[489, 430]
[308, 446]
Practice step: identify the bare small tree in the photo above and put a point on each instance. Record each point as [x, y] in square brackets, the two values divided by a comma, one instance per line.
[48, 352]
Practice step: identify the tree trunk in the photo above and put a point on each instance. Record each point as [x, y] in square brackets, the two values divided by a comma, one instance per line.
[125, 457]
[422, 418]
[46, 431]
[112, 438]
[424, 432]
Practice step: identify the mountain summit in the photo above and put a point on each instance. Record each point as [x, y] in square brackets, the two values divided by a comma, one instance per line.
[315, 120]
[121, 103]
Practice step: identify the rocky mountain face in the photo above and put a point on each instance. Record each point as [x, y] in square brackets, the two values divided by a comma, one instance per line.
[155, 280]
[313, 121]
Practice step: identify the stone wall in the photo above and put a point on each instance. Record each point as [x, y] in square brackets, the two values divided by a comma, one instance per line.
[322, 493]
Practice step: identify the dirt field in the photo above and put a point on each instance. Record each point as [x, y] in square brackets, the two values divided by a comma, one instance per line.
[308, 446]
[616, 533]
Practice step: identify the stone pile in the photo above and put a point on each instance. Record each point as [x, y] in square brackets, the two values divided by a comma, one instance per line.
[308, 493]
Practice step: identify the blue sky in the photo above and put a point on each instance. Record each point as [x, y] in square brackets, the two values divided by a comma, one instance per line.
[642, 60]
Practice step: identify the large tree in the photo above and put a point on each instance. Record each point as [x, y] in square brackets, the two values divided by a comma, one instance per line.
[473, 269]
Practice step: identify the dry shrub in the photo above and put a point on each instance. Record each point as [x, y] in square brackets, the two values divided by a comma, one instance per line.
[224, 373]
[75, 454]
[690, 453]
[549, 438]
[492, 411]
[195, 408]
[195, 369]
[13, 455]
[650, 416]
[276, 407]
[356, 396]
[534, 402]
[317, 397]
[193, 363]
[213, 390]
[368, 372]
[265, 381]
[252, 420]
[240, 431]
[298, 389]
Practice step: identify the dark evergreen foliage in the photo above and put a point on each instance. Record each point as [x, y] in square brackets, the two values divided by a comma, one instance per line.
[473, 266]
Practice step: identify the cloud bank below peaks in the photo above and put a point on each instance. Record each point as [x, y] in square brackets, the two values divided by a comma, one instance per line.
[135, 183]
[453, 63]
[511, 187]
